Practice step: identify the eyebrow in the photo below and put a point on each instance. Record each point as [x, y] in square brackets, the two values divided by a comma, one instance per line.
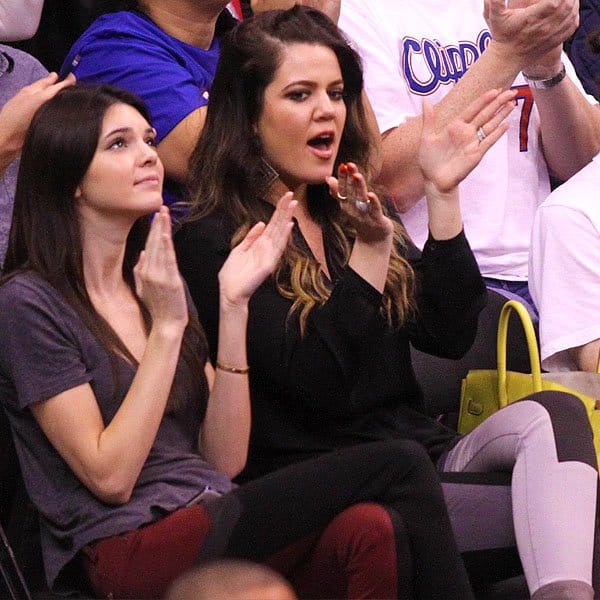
[311, 83]
[126, 130]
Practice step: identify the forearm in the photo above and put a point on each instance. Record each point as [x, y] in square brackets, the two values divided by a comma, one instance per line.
[225, 430]
[445, 220]
[10, 145]
[123, 446]
[570, 128]
[586, 356]
[400, 173]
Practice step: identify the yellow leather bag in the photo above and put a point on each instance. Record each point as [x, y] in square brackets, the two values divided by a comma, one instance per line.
[486, 391]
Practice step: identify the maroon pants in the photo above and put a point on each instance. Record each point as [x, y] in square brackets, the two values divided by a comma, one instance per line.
[353, 557]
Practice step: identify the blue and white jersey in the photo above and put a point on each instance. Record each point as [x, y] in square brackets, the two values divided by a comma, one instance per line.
[419, 49]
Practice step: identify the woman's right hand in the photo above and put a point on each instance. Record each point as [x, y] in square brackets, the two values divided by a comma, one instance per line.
[257, 255]
[158, 283]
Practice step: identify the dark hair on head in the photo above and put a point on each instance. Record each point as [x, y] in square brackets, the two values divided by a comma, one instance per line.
[227, 161]
[57, 152]
[45, 232]
[227, 169]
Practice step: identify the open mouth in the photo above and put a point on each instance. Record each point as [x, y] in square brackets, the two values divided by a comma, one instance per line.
[322, 144]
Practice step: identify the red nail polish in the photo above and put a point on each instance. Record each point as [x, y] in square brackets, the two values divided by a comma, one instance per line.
[343, 168]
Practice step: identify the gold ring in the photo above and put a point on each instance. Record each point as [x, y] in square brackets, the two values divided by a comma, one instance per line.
[342, 198]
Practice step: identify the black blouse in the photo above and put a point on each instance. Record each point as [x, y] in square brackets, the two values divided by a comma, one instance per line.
[349, 378]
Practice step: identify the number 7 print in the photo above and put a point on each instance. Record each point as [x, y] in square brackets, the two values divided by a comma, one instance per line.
[524, 93]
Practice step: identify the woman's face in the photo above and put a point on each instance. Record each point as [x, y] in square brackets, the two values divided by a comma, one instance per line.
[125, 175]
[303, 115]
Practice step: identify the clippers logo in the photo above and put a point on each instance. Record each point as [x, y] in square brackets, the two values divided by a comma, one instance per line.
[426, 64]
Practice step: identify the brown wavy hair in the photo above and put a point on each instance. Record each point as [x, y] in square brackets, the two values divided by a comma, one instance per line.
[227, 172]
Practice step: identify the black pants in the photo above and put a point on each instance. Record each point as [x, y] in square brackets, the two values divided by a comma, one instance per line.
[263, 516]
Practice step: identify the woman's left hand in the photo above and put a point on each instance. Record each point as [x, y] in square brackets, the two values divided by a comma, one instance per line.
[257, 255]
[446, 157]
[363, 207]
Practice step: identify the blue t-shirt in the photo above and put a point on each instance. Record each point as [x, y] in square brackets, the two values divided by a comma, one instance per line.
[129, 50]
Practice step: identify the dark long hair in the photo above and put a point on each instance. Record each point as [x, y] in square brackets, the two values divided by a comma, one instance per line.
[227, 172]
[45, 233]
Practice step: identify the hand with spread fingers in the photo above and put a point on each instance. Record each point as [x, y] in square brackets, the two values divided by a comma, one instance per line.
[363, 207]
[158, 283]
[447, 156]
[17, 113]
[257, 255]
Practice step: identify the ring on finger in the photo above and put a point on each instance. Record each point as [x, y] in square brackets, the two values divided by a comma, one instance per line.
[481, 135]
[341, 197]
[361, 205]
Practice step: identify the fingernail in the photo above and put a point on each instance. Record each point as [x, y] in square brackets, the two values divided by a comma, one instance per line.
[343, 168]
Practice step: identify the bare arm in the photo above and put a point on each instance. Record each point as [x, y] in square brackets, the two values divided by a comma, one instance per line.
[176, 148]
[108, 459]
[17, 113]
[225, 431]
[523, 37]
[446, 157]
[586, 356]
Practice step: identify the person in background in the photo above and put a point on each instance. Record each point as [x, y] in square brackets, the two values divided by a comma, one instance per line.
[24, 86]
[329, 332]
[19, 19]
[583, 47]
[426, 49]
[231, 580]
[565, 273]
[166, 52]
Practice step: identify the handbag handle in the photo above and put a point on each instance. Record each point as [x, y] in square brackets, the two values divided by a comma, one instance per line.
[532, 347]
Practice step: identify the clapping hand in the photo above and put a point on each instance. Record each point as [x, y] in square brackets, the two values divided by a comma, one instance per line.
[447, 156]
[362, 207]
[257, 255]
[158, 283]
[532, 30]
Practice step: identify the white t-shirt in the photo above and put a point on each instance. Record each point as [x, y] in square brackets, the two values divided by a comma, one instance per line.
[19, 19]
[565, 267]
[420, 48]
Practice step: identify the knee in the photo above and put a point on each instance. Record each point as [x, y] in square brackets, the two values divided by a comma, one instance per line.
[569, 425]
[363, 527]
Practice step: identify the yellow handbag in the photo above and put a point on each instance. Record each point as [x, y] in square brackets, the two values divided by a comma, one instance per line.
[486, 391]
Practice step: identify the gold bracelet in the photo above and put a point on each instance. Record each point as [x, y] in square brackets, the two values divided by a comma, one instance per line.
[230, 369]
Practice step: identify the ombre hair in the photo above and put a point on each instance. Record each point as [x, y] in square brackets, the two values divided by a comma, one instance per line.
[227, 168]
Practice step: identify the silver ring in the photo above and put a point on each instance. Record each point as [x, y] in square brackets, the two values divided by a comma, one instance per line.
[340, 197]
[361, 205]
[481, 135]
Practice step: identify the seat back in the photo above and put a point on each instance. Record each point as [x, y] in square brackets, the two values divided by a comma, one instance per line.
[13, 583]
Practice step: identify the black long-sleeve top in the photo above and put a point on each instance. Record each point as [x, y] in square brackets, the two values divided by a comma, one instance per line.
[349, 378]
